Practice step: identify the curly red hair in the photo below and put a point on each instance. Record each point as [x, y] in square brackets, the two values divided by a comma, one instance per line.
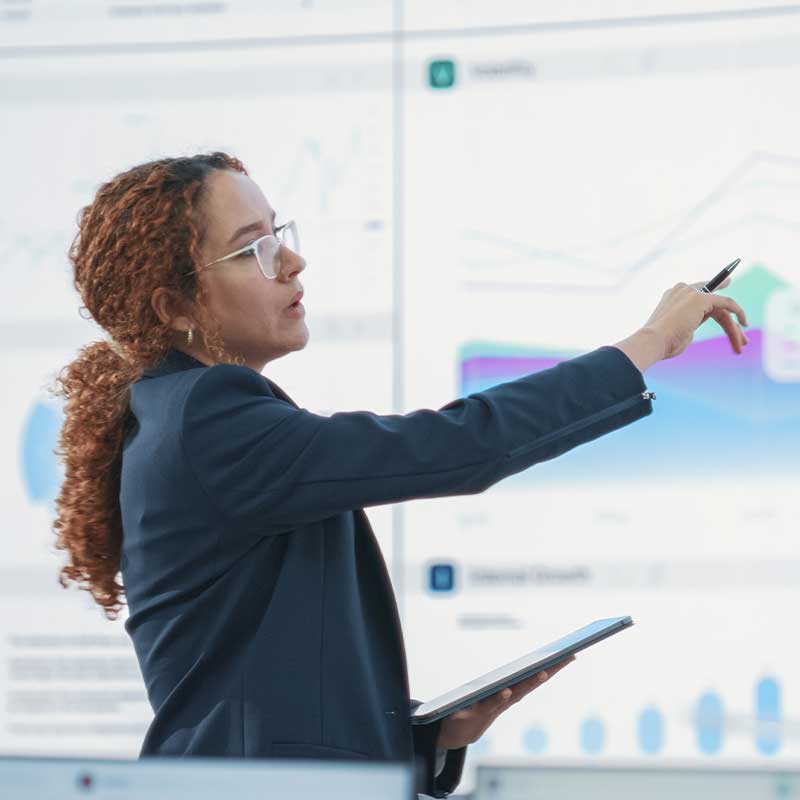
[144, 229]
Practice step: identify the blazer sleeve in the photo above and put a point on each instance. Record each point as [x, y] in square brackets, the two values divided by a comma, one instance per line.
[266, 463]
[429, 778]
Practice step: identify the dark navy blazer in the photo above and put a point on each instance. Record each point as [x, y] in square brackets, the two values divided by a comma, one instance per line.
[261, 610]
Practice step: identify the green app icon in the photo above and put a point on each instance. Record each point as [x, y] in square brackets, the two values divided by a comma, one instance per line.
[442, 74]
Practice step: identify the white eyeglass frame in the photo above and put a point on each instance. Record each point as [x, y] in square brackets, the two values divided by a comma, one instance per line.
[277, 234]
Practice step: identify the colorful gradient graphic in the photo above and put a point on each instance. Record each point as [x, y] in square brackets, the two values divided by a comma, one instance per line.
[716, 413]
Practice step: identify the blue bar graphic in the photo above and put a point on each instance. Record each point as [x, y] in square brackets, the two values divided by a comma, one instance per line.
[709, 721]
[593, 736]
[768, 716]
[534, 740]
[651, 730]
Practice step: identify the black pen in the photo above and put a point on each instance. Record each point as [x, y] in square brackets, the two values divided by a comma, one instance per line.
[717, 279]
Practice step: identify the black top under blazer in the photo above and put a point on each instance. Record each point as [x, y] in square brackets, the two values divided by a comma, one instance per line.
[261, 610]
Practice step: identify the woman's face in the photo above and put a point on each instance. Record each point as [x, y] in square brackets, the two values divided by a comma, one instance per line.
[253, 311]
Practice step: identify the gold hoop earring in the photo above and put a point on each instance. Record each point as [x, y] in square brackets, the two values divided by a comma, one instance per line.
[189, 336]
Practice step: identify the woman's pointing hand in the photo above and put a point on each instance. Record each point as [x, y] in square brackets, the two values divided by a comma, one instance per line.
[670, 328]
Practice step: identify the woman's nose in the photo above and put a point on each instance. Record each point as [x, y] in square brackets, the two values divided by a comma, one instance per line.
[291, 263]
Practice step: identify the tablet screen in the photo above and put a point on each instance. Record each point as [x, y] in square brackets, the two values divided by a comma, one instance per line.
[501, 677]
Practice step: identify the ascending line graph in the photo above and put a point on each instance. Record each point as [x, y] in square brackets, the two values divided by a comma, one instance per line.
[757, 202]
[312, 167]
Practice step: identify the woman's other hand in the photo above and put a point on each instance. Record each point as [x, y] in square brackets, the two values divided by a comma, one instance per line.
[468, 725]
[670, 328]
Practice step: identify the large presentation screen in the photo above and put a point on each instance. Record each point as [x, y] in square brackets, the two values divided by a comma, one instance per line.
[482, 191]
[557, 181]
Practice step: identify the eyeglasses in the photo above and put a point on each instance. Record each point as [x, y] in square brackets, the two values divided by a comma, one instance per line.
[267, 250]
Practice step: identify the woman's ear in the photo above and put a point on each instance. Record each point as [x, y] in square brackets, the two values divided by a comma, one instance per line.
[169, 309]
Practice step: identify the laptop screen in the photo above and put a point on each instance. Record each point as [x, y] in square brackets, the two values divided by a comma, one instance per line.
[200, 779]
[614, 783]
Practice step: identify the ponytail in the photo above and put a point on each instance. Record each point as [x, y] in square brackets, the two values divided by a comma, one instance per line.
[88, 525]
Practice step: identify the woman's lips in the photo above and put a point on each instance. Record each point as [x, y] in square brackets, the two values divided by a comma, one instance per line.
[296, 309]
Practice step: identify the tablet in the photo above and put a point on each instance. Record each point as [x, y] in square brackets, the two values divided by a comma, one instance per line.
[516, 671]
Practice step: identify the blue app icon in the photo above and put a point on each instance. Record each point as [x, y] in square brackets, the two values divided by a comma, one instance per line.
[441, 578]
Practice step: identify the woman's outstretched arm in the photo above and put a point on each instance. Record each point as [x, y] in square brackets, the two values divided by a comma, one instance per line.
[268, 464]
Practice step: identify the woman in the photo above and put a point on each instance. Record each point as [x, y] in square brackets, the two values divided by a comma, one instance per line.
[260, 608]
